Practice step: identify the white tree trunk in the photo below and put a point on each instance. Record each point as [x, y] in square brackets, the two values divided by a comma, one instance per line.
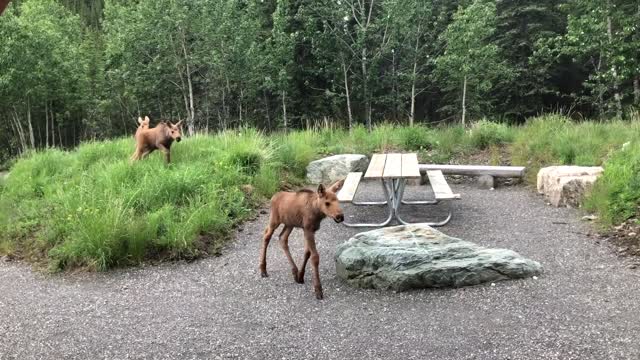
[412, 114]
[284, 109]
[46, 125]
[192, 112]
[31, 136]
[20, 131]
[636, 90]
[346, 88]
[365, 90]
[53, 132]
[414, 75]
[464, 100]
[240, 107]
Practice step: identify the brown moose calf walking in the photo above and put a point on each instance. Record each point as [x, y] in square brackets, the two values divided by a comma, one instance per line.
[160, 137]
[303, 209]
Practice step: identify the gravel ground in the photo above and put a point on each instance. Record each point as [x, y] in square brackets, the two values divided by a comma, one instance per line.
[585, 306]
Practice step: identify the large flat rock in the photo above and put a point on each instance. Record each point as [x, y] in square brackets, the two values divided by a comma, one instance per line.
[567, 185]
[336, 167]
[417, 256]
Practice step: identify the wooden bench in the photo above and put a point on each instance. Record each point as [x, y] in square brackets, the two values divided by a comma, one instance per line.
[440, 187]
[349, 187]
[476, 170]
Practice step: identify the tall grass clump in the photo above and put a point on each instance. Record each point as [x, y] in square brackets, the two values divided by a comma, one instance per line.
[556, 140]
[616, 194]
[484, 134]
[296, 150]
[92, 208]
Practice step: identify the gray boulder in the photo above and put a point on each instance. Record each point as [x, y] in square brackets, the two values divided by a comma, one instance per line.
[417, 256]
[567, 185]
[336, 167]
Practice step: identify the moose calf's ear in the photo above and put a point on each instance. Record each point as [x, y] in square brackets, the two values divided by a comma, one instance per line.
[321, 190]
[336, 186]
[139, 120]
[146, 118]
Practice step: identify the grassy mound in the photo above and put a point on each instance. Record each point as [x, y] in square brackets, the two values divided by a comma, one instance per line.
[555, 140]
[92, 208]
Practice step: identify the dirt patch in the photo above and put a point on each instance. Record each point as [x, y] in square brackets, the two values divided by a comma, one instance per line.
[625, 237]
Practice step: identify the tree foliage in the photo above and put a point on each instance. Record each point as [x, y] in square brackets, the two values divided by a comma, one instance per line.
[79, 69]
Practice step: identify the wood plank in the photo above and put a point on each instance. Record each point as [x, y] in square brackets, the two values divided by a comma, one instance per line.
[393, 166]
[410, 168]
[376, 166]
[476, 170]
[439, 186]
[349, 187]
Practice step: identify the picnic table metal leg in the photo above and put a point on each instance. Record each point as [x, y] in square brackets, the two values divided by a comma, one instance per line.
[420, 202]
[400, 220]
[386, 202]
[390, 195]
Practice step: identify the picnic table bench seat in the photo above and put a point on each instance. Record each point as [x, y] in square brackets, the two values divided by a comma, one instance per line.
[440, 187]
[349, 187]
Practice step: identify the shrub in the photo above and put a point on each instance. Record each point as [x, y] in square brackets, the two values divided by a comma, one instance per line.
[616, 194]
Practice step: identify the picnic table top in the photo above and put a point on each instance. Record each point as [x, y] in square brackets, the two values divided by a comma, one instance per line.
[393, 166]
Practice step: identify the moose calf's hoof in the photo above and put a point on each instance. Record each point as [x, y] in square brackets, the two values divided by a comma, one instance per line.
[264, 274]
[318, 292]
[294, 272]
[299, 277]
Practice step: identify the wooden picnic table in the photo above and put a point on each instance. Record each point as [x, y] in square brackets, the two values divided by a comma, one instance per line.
[393, 171]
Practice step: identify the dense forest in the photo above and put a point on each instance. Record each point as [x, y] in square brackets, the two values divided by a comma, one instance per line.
[72, 70]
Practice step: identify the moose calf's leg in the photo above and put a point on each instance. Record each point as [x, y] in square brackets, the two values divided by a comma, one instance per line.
[263, 251]
[167, 153]
[310, 243]
[284, 243]
[307, 254]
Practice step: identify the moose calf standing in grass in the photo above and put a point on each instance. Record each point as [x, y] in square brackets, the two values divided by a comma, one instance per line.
[160, 137]
[303, 209]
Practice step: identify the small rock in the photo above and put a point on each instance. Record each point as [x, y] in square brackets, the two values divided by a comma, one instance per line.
[486, 182]
[247, 189]
[632, 266]
[589, 218]
[493, 284]
[619, 227]
[632, 234]
[263, 211]
[535, 278]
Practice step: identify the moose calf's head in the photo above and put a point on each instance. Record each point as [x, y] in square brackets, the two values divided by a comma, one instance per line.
[328, 201]
[175, 131]
[143, 124]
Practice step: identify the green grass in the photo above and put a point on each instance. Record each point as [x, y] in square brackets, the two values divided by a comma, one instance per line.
[616, 194]
[94, 209]
[555, 140]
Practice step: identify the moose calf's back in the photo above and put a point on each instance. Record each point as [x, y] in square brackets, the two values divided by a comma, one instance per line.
[292, 208]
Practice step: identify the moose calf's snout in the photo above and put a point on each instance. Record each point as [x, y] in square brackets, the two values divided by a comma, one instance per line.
[178, 139]
[340, 218]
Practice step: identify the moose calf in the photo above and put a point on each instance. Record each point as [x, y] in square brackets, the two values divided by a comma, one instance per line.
[303, 209]
[160, 137]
